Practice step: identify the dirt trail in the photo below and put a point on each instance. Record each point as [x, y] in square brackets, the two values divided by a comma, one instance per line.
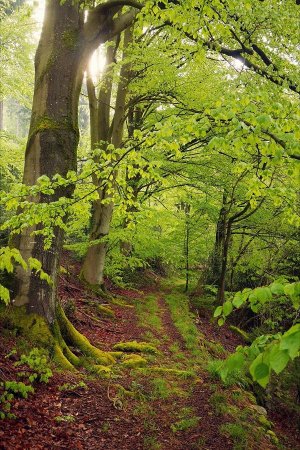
[171, 404]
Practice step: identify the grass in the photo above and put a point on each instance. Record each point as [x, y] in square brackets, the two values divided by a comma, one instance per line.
[151, 443]
[149, 314]
[219, 403]
[185, 424]
[184, 322]
[161, 388]
[237, 433]
[236, 377]
[187, 420]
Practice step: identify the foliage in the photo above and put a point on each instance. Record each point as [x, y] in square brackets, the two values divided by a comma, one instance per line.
[267, 353]
[39, 372]
[9, 257]
[12, 390]
[37, 361]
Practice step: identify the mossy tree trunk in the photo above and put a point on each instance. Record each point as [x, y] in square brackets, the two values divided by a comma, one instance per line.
[104, 130]
[52, 142]
[66, 44]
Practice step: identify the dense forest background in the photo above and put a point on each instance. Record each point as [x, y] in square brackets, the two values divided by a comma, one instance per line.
[154, 143]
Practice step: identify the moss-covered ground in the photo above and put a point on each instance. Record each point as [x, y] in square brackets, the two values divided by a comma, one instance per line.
[156, 388]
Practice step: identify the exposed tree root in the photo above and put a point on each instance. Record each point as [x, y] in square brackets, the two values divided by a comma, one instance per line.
[56, 339]
[73, 337]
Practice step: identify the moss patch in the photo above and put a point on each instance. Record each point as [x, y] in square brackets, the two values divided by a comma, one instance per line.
[121, 302]
[101, 371]
[70, 38]
[169, 371]
[132, 361]
[134, 346]
[38, 332]
[106, 311]
[44, 123]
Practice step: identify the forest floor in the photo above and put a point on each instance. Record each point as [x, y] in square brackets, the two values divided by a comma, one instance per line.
[172, 402]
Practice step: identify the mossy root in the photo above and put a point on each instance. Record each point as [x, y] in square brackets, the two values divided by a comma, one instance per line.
[73, 337]
[36, 330]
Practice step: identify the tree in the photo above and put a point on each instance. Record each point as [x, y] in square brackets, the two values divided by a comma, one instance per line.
[65, 46]
[105, 131]
[64, 49]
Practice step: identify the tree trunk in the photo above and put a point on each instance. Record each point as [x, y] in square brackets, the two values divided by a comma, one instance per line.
[93, 265]
[1, 115]
[65, 46]
[222, 279]
[52, 142]
[187, 256]
[214, 273]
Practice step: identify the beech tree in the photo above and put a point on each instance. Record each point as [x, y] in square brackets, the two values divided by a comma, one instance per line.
[66, 44]
[105, 130]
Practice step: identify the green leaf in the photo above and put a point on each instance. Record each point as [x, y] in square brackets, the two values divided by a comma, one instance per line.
[262, 294]
[4, 294]
[227, 308]
[277, 288]
[278, 358]
[293, 291]
[290, 341]
[235, 361]
[221, 321]
[260, 371]
[218, 311]
[238, 300]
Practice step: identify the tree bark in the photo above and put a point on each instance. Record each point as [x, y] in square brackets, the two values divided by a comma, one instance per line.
[224, 259]
[214, 273]
[93, 266]
[52, 142]
[1, 115]
[64, 49]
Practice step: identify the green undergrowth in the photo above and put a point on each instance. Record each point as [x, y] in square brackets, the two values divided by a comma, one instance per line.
[161, 373]
[246, 422]
[34, 369]
[184, 321]
[149, 314]
[235, 378]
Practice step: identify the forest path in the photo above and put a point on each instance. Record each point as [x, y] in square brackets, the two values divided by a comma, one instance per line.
[172, 403]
